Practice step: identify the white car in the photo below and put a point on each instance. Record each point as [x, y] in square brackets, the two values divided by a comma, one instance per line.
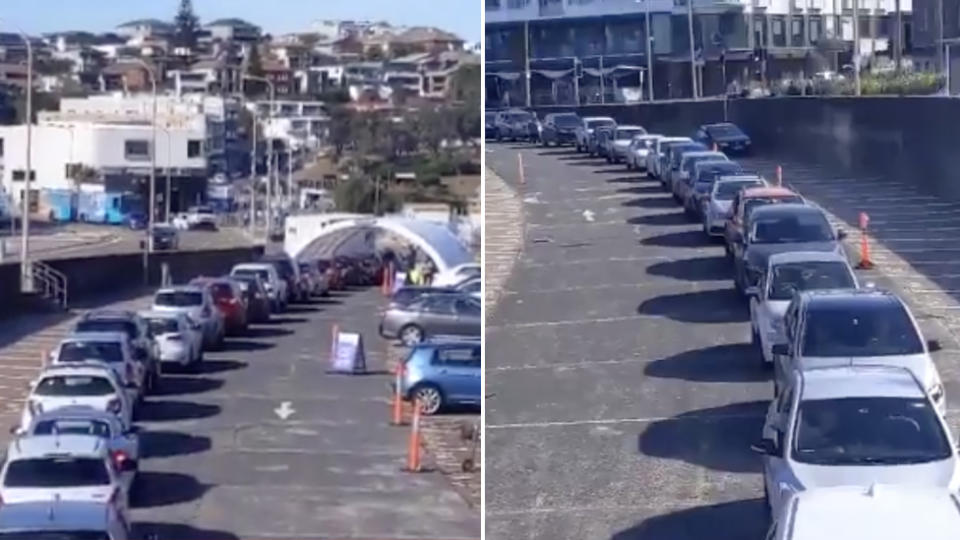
[640, 147]
[718, 206]
[275, 286]
[851, 328]
[620, 142]
[65, 467]
[877, 512]
[202, 217]
[180, 339]
[587, 127]
[112, 349]
[58, 519]
[681, 179]
[654, 158]
[854, 425]
[82, 385]
[196, 303]
[785, 275]
[452, 276]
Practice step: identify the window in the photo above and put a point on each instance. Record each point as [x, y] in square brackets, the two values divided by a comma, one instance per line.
[468, 308]
[815, 30]
[779, 31]
[438, 304]
[136, 149]
[194, 147]
[464, 357]
[19, 175]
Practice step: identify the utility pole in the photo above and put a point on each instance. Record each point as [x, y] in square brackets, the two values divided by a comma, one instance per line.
[151, 197]
[693, 59]
[856, 46]
[941, 47]
[253, 164]
[26, 274]
[898, 47]
[526, 60]
[648, 33]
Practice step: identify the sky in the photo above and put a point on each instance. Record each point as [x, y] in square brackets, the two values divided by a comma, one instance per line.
[461, 17]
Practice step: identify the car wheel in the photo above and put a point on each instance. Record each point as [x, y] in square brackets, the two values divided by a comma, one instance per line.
[411, 335]
[430, 398]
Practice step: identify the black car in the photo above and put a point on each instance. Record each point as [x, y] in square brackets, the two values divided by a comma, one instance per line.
[516, 125]
[729, 138]
[559, 129]
[490, 124]
[165, 237]
[781, 228]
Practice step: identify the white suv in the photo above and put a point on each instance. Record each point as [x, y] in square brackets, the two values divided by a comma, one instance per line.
[854, 425]
[196, 303]
[84, 384]
[65, 467]
[110, 348]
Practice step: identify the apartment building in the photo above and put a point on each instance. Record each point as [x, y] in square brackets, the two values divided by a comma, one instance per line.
[542, 52]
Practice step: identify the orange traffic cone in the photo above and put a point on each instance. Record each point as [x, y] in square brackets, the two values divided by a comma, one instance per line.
[397, 419]
[523, 178]
[865, 262]
[413, 449]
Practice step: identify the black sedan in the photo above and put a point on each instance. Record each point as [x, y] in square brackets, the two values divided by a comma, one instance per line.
[729, 138]
[560, 129]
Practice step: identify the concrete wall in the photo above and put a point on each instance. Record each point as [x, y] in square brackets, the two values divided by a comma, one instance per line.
[907, 139]
[90, 277]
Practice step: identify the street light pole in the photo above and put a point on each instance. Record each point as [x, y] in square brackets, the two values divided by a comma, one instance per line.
[856, 46]
[693, 60]
[148, 245]
[273, 96]
[166, 198]
[26, 275]
[648, 35]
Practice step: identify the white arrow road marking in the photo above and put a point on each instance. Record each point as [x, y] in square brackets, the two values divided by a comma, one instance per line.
[284, 410]
[588, 215]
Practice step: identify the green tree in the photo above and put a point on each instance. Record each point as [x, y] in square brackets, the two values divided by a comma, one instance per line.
[360, 195]
[341, 123]
[433, 125]
[186, 25]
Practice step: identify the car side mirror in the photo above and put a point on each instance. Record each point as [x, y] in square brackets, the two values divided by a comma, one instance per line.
[933, 345]
[765, 447]
[841, 234]
[781, 349]
[752, 291]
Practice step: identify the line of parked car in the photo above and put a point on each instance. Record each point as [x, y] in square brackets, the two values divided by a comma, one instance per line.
[857, 418]
[71, 470]
[441, 324]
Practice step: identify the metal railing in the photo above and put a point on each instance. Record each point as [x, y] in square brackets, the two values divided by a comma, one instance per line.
[49, 282]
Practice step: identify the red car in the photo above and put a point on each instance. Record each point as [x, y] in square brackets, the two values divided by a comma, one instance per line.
[228, 296]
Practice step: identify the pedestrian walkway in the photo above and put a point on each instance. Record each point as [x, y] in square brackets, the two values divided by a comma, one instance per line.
[503, 235]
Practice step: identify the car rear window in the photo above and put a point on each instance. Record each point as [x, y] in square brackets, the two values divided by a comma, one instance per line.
[284, 268]
[160, 326]
[566, 120]
[724, 130]
[263, 274]
[51, 472]
[127, 327]
[726, 191]
[78, 351]
[74, 385]
[752, 204]
[844, 330]
[595, 124]
[323, 265]
[179, 299]
[67, 426]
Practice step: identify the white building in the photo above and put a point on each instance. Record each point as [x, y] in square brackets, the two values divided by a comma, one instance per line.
[300, 124]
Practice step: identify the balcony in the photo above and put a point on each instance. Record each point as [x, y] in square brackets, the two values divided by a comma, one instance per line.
[551, 8]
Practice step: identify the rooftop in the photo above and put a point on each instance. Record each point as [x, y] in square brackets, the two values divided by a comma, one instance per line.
[147, 22]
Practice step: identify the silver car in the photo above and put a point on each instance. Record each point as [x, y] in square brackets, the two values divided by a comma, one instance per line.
[586, 128]
[640, 148]
[655, 157]
[618, 144]
[196, 303]
[854, 425]
[122, 440]
[432, 315]
[717, 207]
[61, 519]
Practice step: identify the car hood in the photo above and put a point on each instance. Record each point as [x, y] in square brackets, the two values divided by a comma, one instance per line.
[726, 139]
[935, 474]
[758, 254]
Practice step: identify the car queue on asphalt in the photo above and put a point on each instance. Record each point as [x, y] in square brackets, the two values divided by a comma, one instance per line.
[70, 472]
[858, 407]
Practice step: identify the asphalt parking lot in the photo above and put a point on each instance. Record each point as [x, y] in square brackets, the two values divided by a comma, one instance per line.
[625, 393]
[220, 464]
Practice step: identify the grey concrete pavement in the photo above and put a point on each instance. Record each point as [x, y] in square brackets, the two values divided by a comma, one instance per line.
[220, 463]
[503, 234]
[626, 394]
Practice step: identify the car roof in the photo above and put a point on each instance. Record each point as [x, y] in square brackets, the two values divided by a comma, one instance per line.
[859, 381]
[105, 314]
[770, 191]
[785, 209]
[161, 314]
[87, 369]
[719, 163]
[35, 446]
[629, 126]
[181, 288]
[252, 266]
[849, 298]
[706, 153]
[719, 124]
[806, 256]
[675, 140]
[77, 411]
[596, 118]
[877, 512]
[55, 515]
[77, 337]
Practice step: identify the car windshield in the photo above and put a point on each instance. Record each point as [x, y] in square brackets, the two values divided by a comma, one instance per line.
[78, 351]
[163, 325]
[750, 204]
[127, 327]
[796, 227]
[179, 299]
[566, 120]
[844, 330]
[78, 534]
[520, 117]
[629, 133]
[263, 274]
[595, 124]
[788, 278]
[74, 385]
[726, 191]
[869, 431]
[72, 426]
[709, 173]
[724, 130]
[51, 472]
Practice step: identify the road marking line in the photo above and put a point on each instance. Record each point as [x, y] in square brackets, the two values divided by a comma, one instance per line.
[574, 322]
[568, 365]
[608, 421]
[694, 287]
[651, 258]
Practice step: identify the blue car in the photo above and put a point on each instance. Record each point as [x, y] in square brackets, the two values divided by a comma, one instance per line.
[443, 373]
[729, 138]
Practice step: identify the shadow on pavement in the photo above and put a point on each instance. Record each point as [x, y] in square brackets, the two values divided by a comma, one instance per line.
[568, 152]
[267, 332]
[695, 269]
[717, 438]
[160, 444]
[670, 218]
[576, 157]
[651, 202]
[280, 319]
[640, 189]
[620, 169]
[740, 519]
[623, 180]
[165, 488]
[712, 306]
[171, 385]
[587, 161]
[302, 309]
[327, 302]
[168, 411]
[738, 362]
[176, 531]
[692, 239]
[219, 366]
[242, 345]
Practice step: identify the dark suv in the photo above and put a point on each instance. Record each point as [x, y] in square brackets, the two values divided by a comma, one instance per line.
[560, 129]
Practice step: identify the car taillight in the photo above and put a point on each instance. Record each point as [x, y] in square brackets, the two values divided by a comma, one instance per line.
[119, 456]
[114, 406]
